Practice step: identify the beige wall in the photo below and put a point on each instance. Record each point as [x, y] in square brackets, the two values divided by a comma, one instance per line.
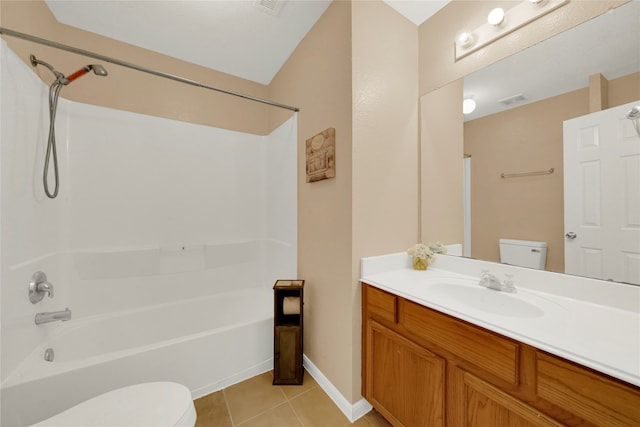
[385, 143]
[349, 75]
[317, 79]
[624, 90]
[441, 184]
[128, 89]
[528, 138]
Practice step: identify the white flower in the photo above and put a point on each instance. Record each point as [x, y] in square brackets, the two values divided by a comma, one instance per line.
[438, 248]
[427, 252]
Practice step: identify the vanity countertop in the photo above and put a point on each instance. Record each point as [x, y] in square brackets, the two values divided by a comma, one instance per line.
[602, 336]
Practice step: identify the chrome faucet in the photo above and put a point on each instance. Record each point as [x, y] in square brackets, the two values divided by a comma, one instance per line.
[490, 281]
[53, 316]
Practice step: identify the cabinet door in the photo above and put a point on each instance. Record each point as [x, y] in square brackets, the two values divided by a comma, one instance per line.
[474, 402]
[403, 381]
[288, 355]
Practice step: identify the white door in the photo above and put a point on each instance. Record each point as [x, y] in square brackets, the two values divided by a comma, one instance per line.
[602, 196]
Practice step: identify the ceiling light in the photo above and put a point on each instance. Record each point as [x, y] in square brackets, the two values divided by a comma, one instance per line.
[468, 106]
[535, 1]
[496, 16]
[466, 39]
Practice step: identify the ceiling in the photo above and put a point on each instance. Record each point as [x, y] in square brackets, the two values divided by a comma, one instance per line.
[245, 38]
[252, 39]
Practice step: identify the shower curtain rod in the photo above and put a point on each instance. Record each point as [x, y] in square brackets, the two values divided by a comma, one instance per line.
[138, 67]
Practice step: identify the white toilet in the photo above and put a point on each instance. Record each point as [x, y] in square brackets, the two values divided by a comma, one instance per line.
[157, 404]
[523, 253]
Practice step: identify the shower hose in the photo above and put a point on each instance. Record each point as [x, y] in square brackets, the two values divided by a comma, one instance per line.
[54, 92]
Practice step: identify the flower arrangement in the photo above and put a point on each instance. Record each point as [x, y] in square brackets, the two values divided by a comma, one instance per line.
[424, 254]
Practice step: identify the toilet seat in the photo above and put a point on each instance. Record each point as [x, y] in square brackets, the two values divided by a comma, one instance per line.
[157, 404]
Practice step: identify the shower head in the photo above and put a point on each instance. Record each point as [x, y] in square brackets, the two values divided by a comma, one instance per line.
[634, 113]
[97, 69]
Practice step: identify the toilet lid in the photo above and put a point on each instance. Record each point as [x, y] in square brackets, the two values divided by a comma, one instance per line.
[157, 404]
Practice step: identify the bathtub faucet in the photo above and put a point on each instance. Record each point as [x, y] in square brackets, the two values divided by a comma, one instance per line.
[53, 316]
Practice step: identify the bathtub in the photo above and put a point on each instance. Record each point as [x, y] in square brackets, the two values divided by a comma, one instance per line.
[206, 344]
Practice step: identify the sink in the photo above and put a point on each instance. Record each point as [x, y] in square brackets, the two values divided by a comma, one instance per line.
[480, 298]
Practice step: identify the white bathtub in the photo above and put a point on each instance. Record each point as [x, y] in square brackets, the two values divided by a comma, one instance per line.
[205, 343]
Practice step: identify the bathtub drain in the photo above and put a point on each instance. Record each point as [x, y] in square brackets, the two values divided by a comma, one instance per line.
[49, 355]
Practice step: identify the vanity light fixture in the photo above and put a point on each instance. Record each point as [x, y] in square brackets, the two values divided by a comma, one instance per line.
[500, 23]
[496, 16]
[468, 105]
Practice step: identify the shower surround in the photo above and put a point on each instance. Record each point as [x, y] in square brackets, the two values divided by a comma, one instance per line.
[151, 213]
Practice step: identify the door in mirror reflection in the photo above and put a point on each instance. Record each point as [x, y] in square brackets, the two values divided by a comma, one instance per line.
[602, 196]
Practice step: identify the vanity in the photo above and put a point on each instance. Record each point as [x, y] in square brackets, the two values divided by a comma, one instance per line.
[441, 350]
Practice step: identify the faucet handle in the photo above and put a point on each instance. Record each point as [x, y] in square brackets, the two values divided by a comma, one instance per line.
[45, 287]
[508, 284]
[485, 278]
[39, 286]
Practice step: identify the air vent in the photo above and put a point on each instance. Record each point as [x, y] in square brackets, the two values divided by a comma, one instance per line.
[271, 7]
[512, 99]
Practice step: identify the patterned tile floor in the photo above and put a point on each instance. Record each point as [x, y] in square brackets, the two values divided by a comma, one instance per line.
[257, 403]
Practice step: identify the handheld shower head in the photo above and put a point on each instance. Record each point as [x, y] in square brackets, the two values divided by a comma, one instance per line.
[97, 69]
[634, 113]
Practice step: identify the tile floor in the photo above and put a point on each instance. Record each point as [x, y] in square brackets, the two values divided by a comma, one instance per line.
[257, 403]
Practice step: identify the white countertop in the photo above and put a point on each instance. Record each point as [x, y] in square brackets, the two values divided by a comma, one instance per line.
[605, 337]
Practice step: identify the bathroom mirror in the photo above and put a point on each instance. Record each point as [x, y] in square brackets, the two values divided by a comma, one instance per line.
[545, 85]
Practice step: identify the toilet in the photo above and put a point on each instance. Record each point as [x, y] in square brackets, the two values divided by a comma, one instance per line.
[157, 404]
[523, 253]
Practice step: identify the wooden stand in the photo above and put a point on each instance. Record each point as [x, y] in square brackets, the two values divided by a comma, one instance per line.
[287, 345]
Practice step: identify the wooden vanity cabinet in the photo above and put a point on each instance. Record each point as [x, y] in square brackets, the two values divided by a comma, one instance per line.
[423, 368]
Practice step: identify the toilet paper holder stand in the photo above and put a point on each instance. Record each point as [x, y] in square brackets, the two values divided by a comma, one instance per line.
[288, 332]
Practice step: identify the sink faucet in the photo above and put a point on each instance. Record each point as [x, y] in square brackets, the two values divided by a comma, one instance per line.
[53, 316]
[489, 280]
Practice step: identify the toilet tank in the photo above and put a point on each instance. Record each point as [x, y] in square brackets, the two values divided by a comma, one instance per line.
[523, 253]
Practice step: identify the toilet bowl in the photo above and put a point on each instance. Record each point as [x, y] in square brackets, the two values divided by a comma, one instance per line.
[157, 404]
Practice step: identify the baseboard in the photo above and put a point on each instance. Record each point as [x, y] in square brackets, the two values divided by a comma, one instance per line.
[352, 411]
[253, 371]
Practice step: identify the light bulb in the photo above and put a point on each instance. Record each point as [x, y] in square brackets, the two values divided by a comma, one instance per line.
[496, 16]
[466, 39]
[468, 106]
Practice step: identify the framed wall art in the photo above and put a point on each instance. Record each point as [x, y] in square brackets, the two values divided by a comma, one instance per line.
[321, 155]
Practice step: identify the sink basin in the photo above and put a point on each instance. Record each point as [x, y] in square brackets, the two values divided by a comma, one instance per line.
[480, 298]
